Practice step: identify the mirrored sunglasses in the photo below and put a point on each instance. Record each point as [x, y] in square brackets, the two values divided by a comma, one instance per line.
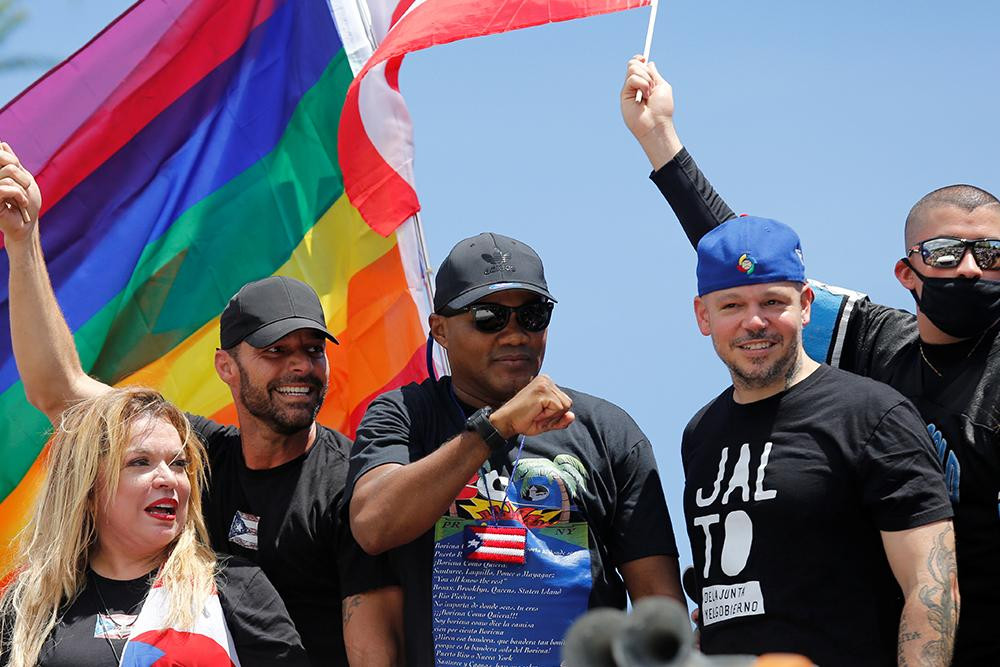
[946, 252]
[493, 317]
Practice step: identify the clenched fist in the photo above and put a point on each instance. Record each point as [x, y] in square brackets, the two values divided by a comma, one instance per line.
[541, 406]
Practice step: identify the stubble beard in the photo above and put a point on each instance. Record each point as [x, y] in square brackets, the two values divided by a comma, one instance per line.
[258, 403]
[784, 368]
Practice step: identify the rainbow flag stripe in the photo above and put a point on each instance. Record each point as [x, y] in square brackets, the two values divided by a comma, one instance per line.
[187, 149]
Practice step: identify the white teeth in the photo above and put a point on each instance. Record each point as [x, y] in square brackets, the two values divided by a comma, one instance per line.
[756, 346]
[298, 391]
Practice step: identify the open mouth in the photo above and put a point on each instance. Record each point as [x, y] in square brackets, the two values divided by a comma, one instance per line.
[164, 510]
[759, 345]
[286, 390]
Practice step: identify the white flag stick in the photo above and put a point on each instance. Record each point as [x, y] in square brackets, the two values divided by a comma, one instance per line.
[649, 41]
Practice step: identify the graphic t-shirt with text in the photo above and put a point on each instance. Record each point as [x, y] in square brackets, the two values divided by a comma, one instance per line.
[784, 502]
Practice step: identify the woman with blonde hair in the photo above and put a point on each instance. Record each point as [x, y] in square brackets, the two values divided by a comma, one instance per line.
[114, 568]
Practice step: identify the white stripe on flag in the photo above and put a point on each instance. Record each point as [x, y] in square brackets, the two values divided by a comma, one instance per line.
[500, 551]
[494, 537]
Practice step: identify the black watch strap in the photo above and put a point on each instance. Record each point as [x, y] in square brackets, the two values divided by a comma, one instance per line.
[479, 421]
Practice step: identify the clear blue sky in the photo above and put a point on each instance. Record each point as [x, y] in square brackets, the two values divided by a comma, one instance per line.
[833, 117]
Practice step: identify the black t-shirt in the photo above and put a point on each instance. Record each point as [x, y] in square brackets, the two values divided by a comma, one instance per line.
[285, 520]
[620, 499]
[257, 620]
[961, 407]
[784, 499]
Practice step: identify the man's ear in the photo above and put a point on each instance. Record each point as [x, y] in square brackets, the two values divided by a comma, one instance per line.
[906, 277]
[225, 366]
[806, 298]
[701, 316]
[439, 329]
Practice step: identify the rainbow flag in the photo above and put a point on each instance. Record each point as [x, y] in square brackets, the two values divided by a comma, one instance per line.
[189, 148]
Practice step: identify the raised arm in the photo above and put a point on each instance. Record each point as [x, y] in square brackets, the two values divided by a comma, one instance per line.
[43, 345]
[393, 504]
[923, 561]
[697, 205]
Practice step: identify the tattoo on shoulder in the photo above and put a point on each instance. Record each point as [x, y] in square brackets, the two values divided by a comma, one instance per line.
[939, 599]
[349, 606]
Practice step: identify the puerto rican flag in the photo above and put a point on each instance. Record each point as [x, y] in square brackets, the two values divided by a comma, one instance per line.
[375, 135]
[152, 644]
[501, 544]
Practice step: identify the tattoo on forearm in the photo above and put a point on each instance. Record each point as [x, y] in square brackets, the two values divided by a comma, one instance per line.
[349, 606]
[904, 636]
[940, 602]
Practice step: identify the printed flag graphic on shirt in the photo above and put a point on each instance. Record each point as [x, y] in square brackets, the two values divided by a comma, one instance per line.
[189, 148]
[504, 544]
[376, 135]
[243, 530]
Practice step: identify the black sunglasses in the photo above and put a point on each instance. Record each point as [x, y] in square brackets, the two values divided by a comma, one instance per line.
[946, 252]
[493, 317]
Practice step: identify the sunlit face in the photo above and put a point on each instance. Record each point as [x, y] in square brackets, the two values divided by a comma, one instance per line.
[980, 223]
[757, 330]
[148, 509]
[491, 367]
[284, 384]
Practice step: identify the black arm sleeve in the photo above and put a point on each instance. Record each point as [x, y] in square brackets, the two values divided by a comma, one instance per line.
[696, 204]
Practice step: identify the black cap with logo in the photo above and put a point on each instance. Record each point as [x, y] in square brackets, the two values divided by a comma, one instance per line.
[484, 264]
[265, 310]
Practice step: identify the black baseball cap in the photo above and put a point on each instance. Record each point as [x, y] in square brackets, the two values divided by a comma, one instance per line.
[265, 310]
[484, 264]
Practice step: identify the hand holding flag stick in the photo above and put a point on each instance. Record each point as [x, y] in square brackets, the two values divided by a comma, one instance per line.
[24, 214]
[649, 41]
[10, 203]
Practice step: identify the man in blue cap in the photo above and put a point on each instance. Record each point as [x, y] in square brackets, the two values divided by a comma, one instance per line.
[816, 509]
[944, 356]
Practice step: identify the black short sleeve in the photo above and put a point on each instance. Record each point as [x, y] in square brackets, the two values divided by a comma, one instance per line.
[641, 523]
[212, 433]
[901, 477]
[383, 437]
[257, 618]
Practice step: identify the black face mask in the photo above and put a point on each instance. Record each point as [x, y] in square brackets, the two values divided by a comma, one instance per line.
[960, 307]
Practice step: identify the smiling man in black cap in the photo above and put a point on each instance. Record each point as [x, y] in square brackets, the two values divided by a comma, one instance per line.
[277, 480]
[507, 505]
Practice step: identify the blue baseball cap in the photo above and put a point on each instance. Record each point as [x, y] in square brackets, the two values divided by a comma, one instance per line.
[749, 251]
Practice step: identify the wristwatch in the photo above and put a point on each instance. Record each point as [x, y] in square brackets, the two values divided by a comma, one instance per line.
[479, 421]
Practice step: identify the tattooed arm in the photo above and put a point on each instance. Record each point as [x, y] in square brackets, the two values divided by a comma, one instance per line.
[923, 561]
[373, 627]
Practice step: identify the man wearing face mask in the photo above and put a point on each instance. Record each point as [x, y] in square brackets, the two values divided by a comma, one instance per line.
[945, 359]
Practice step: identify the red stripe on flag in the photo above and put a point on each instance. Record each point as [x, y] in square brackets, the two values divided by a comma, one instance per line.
[400, 9]
[499, 544]
[502, 558]
[499, 530]
[384, 198]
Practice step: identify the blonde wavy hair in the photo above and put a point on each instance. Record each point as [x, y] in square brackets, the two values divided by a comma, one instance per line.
[53, 550]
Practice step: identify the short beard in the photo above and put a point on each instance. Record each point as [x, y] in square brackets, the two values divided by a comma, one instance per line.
[258, 402]
[784, 368]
